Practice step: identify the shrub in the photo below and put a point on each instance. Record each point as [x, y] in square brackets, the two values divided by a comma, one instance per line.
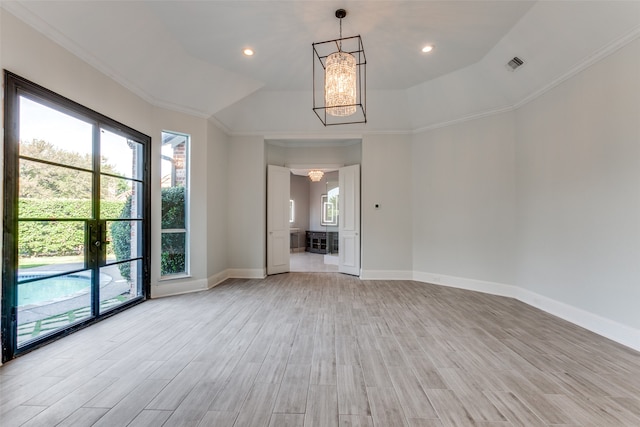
[57, 238]
[121, 239]
[172, 256]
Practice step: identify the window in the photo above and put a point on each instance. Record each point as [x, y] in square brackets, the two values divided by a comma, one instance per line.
[292, 212]
[174, 255]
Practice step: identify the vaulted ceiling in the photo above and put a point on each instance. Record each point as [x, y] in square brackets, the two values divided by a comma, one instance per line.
[187, 55]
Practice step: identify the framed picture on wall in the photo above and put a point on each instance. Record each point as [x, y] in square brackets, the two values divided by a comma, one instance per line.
[329, 213]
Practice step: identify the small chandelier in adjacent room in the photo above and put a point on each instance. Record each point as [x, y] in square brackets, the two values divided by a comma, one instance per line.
[340, 79]
[315, 175]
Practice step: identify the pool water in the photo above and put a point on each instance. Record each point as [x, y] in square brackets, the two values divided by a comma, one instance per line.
[52, 289]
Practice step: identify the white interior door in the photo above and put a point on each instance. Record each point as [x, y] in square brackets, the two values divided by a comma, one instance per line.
[349, 222]
[278, 184]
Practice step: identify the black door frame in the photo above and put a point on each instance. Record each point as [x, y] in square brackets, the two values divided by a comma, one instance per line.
[14, 87]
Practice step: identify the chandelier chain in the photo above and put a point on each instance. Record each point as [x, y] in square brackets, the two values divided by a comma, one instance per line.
[340, 46]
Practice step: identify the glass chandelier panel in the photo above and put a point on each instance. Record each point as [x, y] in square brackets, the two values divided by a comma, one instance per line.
[340, 84]
[316, 175]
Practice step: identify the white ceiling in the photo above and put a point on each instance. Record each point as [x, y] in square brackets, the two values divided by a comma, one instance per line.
[187, 55]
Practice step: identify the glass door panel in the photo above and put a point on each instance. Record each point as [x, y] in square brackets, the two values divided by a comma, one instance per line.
[120, 156]
[49, 191]
[121, 211]
[75, 185]
[121, 271]
[53, 286]
[50, 247]
[53, 135]
[49, 304]
[119, 283]
[120, 198]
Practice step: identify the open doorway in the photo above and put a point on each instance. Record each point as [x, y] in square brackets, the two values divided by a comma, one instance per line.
[314, 219]
[338, 215]
[287, 235]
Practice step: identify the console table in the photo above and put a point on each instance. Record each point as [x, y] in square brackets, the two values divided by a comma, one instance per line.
[322, 242]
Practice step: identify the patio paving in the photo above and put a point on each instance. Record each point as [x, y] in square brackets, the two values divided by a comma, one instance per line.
[39, 319]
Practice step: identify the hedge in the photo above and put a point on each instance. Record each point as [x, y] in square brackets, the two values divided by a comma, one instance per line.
[172, 255]
[66, 238]
[57, 238]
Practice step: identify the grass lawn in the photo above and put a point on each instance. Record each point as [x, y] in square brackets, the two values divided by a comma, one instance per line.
[39, 261]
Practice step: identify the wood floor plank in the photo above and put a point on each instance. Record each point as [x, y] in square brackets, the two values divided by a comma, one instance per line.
[449, 408]
[84, 417]
[286, 420]
[355, 421]
[292, 395]
[69, 403]
[352, 391]
[218, 419]
[302, 350]
[134, 403]
[232, 395]
[274, 365]
[347, 351]
[20, 414]
[424, 422]
[326, 349]
[516, 412]
[410, 393]
[150, 418]
[374, 368]
[178, 388]
[258, 407]
[195, 405]
[322, 407]
[386, 409]
[14, 396]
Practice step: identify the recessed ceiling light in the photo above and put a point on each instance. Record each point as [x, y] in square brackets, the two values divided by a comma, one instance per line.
[427, 48]
[247, 51]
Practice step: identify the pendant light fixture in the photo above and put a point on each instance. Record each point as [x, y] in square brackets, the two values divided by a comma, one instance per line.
[315, 175]
[339, 71]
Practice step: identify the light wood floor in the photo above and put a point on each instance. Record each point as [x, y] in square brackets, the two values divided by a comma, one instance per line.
[325, 350]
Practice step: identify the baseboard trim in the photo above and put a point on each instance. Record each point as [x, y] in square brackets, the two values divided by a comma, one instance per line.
[486, 287]
[386, 275]
[216, 279]
[178, 287]
[618, 332]
[595, 323]
[247, 273]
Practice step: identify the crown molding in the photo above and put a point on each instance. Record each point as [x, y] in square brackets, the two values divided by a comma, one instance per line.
[590, 60]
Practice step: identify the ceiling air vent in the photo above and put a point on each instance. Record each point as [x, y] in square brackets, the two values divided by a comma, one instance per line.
[514, 64]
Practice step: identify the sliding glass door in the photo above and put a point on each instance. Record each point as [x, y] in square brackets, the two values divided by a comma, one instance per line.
[76, 212]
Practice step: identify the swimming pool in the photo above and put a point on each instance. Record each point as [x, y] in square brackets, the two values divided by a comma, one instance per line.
[52, 289]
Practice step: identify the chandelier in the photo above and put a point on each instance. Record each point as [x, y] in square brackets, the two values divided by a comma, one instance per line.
[315, 175]
[341, 76]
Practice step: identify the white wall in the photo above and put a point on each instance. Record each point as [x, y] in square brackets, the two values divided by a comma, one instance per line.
[464, 201]
[314, 155]
[217, 195]
[578, 175]
[300, 196]
[387, 231]
[541, 203]
[246, 206]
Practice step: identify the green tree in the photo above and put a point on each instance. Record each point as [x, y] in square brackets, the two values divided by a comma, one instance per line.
[43, 181]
